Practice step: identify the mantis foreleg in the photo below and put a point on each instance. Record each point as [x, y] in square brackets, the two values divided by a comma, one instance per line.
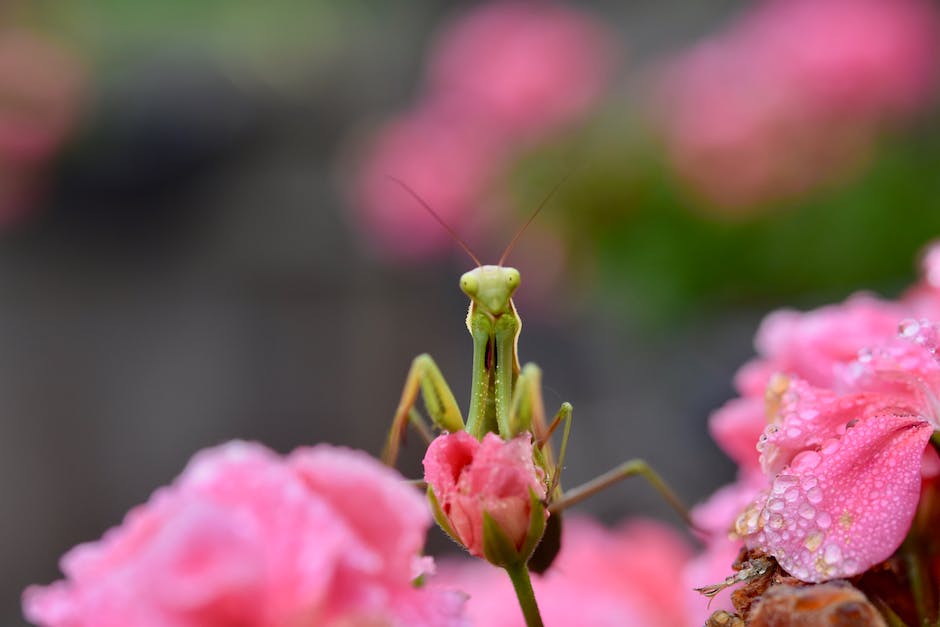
[528, 414]
[438, 399]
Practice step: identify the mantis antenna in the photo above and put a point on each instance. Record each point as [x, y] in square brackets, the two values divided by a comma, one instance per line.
[439, 219]
[538, 210]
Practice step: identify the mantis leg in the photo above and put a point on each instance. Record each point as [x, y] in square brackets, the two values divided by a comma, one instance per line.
[479, 420]
[438, 399]
[563, 415]
[623, 471]
[507, 328]
[527, 411]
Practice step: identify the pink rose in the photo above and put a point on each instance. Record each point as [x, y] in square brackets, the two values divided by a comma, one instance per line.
[525, 68]
[840, 406]
[324, 536]
[469, 477]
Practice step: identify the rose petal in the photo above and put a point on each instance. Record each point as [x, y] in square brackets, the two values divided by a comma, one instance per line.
[837, 511]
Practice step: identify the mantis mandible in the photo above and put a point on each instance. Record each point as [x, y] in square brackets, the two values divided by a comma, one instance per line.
[504, 398]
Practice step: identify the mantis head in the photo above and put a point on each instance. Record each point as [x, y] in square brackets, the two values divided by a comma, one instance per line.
[491, 288]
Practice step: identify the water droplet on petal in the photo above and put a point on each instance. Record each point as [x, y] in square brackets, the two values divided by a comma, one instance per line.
[814, 495]
[908, 327]
[807, 511]
[823, 520]
[832, 554]
[776, 521]
[806, 460]
[776, 505]
[814, 540]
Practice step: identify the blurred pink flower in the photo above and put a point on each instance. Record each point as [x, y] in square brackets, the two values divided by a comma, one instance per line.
[792, 94]
[499, 77]
[630, 575]
[447, 159]
[40, 94]
[324, 536]
[470, 477]
[525, 68]
[736, 426]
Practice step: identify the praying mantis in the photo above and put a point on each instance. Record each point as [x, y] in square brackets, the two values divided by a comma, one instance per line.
[504, 397]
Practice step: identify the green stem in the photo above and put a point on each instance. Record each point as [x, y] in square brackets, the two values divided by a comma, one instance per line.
[523, 587]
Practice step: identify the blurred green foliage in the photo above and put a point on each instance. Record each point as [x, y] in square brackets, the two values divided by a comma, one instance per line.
[657, 253]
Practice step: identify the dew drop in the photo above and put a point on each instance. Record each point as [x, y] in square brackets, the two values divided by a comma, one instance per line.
[776, 505]
[814, 495]
[807, 460]
[776, 521]
[832, 554]
[807, 511]
[823, 520]
[794, 432]
[813, 541]
[791, 495]
[908, 327]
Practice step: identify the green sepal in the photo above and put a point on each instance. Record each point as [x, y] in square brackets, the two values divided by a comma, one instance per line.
[441, 518]
[497, 547]
[537, 519]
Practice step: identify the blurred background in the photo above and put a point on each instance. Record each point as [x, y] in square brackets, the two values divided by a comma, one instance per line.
[199, 241]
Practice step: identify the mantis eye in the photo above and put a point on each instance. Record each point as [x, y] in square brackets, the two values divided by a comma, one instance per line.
[469, 283]
[512, 277]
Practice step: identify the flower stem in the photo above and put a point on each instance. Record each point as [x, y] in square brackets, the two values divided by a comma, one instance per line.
[522, 584]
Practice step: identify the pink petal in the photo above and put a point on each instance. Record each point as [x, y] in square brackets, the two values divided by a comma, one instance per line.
[837, 511]
[736, 427]
[808, 418]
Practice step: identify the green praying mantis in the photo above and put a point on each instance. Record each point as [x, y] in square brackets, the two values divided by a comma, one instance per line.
[504, 398]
